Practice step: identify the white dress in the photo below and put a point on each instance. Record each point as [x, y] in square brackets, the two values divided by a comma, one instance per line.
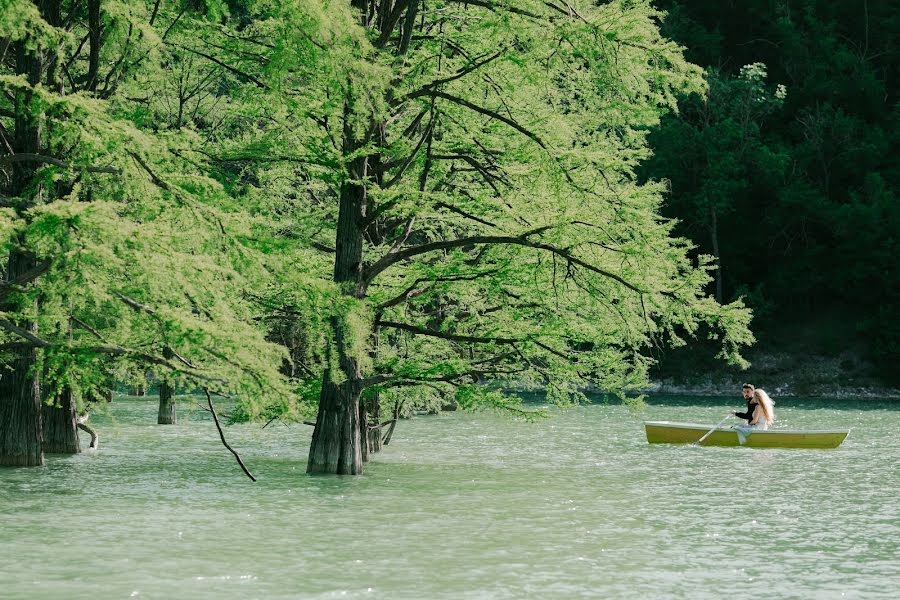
[761, 424]
[745, 430]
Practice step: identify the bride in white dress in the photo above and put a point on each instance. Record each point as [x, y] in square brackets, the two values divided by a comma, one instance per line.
[764, 413]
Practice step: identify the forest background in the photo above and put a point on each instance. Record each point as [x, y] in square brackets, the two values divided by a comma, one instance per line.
[797, 195]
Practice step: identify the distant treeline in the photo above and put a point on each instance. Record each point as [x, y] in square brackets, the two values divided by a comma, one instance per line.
[786, 169]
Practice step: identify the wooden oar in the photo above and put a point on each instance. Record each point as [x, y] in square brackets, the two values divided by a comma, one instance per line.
[706, 435]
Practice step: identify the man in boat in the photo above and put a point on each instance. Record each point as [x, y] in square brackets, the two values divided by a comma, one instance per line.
[747, 391]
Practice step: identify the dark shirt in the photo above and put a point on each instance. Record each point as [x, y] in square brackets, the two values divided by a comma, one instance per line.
[749, 414]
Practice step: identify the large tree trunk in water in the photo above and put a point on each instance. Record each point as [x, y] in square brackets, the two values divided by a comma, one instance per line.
[336, 443]
[20, 397]
[20, 412]
[336, 440]
[60, 425]
[20, 393]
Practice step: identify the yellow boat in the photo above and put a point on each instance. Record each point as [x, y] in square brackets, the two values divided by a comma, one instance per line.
[667, 432]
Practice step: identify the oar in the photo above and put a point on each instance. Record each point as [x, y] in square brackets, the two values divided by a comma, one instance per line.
[706, 435]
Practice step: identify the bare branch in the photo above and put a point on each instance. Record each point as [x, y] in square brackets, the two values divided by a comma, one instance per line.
[237, 456]
[415, 290]
[465, 214]
[411, 156]
[395, 247]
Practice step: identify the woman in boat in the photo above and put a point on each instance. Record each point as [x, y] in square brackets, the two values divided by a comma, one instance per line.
[763, 411]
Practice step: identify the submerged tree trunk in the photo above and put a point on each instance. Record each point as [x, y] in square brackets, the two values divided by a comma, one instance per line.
[374, 433]
[372, 408]
[60, 425]
[20, 412]
[336, 442]
[166, 414]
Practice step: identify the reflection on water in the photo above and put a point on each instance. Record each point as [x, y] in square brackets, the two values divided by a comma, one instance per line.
[463, 506]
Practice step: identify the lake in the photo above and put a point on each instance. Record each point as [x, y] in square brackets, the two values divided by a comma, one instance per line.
[462, 506]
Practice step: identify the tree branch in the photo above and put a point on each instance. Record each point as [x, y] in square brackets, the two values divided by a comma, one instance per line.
[411, 156]
[484, 111]
[390, 22]
[237, 456]
[234, 70]
[390, 259]
[15, 285]
[414, 290]
[156, 180]
[474, 339]
[496, 7]
[395, 247]
[463, 213]
[458, 75]
[36, 341]
[40, 158]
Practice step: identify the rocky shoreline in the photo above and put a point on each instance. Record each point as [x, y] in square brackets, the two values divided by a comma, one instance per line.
[784, 375]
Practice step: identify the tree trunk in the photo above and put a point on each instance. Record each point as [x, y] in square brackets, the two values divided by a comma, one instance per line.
[336, 443]
[93, 74]
[60, 425]
[20, 412]
[714, 232]
[363, 431]
[20, 398]
[374, 434]
[372, 407]
[336, 440]
[167, 415]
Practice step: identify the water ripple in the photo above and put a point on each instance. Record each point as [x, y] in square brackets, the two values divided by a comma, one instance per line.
[464, 507]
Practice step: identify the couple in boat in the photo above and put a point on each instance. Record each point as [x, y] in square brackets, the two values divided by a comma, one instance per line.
[760, 412]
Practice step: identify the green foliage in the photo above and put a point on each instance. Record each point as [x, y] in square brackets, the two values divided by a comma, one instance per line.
[522, 126]
[147, 251]
[190, 213]
[805, 184]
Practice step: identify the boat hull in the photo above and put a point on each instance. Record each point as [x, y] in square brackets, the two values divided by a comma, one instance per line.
[666, 432]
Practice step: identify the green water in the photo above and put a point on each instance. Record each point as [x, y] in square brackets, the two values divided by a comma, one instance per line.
[462, 506]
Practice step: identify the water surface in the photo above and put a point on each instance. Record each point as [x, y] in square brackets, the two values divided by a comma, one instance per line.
[463, 506]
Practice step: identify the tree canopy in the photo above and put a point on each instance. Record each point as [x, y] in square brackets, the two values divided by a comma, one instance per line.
[338, 205]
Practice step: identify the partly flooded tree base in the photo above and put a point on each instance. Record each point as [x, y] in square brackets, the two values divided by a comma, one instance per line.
[60, 426]
[167, 414]
[336, 442]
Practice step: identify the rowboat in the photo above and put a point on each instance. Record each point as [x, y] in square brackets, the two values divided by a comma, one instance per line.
[667, 432]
